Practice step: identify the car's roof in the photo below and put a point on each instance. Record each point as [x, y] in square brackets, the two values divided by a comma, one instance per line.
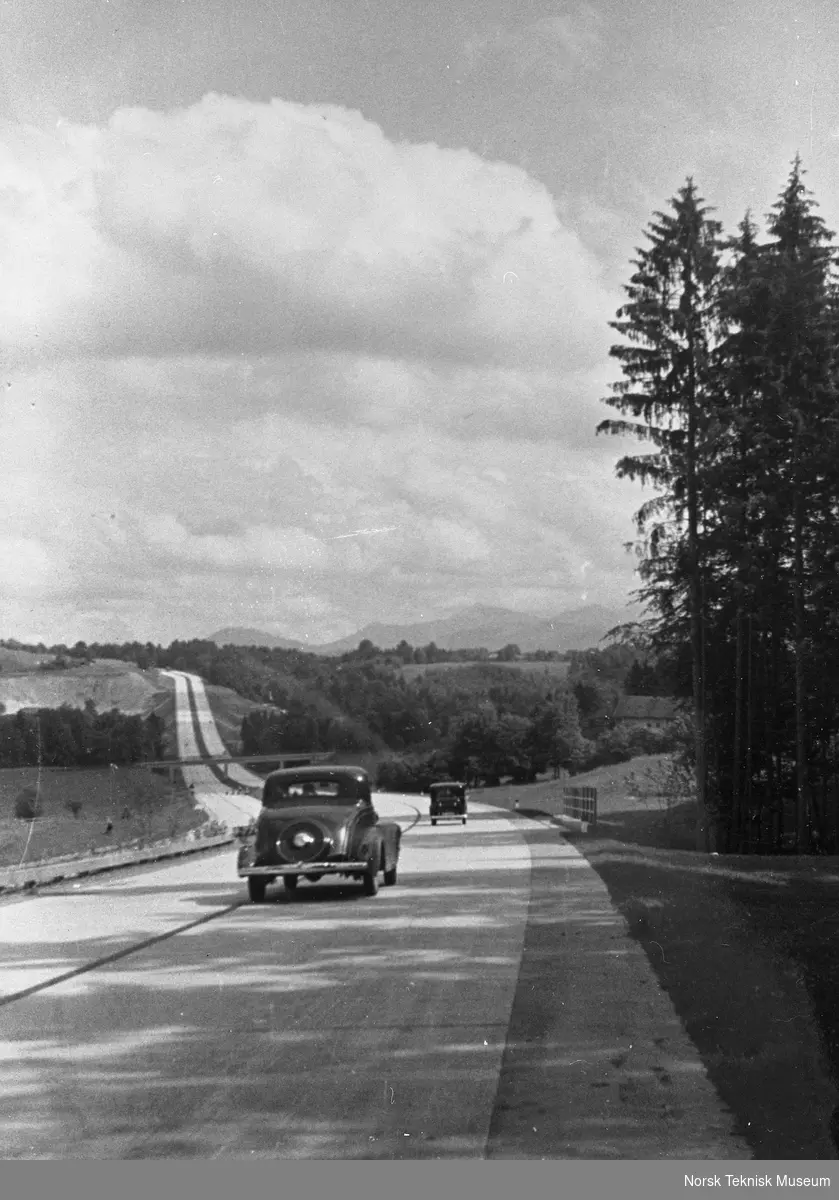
[449, 783]
[301, 774]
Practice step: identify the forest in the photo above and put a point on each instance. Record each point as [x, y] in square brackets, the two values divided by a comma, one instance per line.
[73, 737]
[730, 379]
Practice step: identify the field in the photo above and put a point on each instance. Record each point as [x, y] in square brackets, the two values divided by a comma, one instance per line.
[554, 670]
[746, 947]
[139, 804]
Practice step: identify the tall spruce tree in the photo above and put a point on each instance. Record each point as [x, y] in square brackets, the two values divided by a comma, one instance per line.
[738, 563]
[800, 395]
[670, 390]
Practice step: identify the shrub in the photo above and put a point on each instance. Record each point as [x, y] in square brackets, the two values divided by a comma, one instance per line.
[28, 804]
[73, 806]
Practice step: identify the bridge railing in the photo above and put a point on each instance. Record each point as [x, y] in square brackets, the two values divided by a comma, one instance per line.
[291, 758]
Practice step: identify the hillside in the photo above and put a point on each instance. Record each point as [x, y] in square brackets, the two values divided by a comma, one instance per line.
[109, 684]
[365, 702]
[14, 661]
[551, 670]
[239, 636]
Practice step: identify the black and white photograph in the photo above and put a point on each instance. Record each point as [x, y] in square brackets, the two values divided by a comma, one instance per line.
[419, 587]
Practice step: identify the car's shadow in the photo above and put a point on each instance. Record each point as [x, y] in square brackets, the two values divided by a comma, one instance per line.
[314, 893]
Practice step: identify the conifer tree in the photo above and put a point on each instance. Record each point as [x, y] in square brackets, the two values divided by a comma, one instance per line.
[800, 393]
[671, 326]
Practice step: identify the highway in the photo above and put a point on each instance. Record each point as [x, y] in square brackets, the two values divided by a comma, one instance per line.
[490, 1005]
[194, 721]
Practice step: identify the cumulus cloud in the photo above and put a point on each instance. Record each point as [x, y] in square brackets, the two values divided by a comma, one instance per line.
[268, 368]
[234, 226]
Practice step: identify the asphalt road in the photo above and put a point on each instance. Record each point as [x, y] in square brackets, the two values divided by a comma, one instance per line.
[490, 1005]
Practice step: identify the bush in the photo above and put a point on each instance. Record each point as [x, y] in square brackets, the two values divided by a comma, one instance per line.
[28, 804]
[612, 747]
[73, 806]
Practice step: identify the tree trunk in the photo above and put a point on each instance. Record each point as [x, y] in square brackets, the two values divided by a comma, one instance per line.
[802, 798]
[736, 766]
[746, 803]
[705, 835]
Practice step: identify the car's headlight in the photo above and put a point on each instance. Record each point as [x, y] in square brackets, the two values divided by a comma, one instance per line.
[302, 839]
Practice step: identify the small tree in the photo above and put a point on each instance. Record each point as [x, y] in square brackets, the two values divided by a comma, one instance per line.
[28, 804]
[509, 653]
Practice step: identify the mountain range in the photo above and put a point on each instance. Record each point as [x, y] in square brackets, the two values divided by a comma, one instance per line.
[477, 626]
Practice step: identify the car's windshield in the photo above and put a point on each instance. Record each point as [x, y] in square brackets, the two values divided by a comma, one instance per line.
[449, 793]
[283, 794]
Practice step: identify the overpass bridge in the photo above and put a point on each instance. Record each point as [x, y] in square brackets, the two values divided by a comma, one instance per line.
[304, 758]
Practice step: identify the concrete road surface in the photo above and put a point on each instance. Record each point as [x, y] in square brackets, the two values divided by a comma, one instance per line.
[491, 1004]
[193, 720]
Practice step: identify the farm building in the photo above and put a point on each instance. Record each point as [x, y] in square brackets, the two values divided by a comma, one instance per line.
[651, 712]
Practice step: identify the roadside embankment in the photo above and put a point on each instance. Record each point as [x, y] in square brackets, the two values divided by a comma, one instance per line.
[56, 870]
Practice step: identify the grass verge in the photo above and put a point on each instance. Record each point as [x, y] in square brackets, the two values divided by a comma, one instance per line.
[746, 947]
[140, 806]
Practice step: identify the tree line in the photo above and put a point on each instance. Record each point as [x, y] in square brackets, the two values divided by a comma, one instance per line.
[731, 379]
[480, 724]
[482, 720]
[76, 737]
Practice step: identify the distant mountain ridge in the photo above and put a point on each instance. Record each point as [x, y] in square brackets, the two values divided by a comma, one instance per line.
[236, 635]
[477, 626]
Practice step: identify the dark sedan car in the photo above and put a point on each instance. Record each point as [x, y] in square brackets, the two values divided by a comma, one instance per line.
[448, 799]
[318, 821]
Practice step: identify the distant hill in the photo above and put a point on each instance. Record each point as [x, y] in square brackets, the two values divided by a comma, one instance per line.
[478, 626]
[236, 636]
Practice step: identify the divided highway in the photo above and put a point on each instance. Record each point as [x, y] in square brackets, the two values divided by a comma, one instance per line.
[194, 724]
[491, 1004]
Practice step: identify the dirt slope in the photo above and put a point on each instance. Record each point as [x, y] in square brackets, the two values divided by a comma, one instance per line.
[107, 683]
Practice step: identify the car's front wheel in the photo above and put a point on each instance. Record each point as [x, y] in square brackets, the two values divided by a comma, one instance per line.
[290, 882]
[256, 888]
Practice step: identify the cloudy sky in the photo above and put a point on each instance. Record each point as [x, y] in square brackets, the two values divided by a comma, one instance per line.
[304, 305]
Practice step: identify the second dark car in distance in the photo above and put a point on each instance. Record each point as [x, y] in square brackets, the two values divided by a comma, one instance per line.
[448, 799]
[318, 821]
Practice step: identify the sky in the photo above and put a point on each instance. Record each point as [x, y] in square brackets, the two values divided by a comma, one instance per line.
[304, 307]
